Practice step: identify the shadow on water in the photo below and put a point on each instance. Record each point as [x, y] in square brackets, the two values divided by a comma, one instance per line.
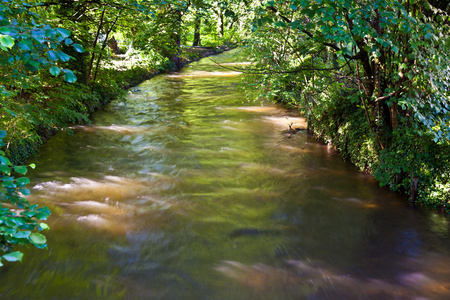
[182, 191]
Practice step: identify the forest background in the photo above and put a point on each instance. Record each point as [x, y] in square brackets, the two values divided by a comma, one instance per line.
[371, 77]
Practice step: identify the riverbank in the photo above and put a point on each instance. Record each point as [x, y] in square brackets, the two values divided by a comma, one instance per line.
[45, 111]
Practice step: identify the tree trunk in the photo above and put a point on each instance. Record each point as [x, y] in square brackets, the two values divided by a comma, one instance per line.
[197, 23]
[177, 39]
[414, 190]
[105, 42]
[221, 25]
[91, 63]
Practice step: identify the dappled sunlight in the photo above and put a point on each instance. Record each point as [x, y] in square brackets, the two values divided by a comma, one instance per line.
[245, 63]
[124, 129]
[114, 204]
[109, 223]
[262, 109]
[200, 74]
[97, 207]
[112, 188]
[283, 122]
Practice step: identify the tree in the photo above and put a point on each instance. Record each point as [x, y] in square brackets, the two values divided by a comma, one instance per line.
[397, 50]
[386, 61]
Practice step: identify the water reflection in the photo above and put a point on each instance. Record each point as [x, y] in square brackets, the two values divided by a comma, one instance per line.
[181, 191]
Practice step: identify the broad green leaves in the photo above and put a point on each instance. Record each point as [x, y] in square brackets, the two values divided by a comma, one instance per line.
[6, 42]
[18, 228]
[28, 46]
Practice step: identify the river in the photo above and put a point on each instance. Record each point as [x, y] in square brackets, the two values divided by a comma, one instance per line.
[184, 191]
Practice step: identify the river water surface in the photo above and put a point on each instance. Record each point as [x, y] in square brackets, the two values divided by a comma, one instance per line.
[182, 191]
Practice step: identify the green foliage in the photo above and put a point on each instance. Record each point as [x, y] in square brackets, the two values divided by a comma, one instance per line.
[371, 77]
[19, 220]
[28, 46]
[414, 154]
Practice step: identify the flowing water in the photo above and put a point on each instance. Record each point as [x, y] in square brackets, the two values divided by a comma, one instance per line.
[181, 191]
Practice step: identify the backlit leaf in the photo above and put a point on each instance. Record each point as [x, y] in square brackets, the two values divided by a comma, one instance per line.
[44, 226]
[13, 256]
[38, 238]
[6, 41]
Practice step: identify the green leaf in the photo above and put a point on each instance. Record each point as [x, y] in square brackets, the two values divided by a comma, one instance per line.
[8, 184]
[44, 210]
[63, 57]
[5, 30]
[5, 161]
[32, 65]
[44, 226]
[25, 45]
[54, 71]
[38, 35]
[13, 256]
[32, 166]
[68, 42]
[69, 76]
[50, 33]
[21, 234]
[25, 191]
[21, 169]
[28, 214]
[2, 134]
[78, 48]
[5, 169]
[52, 55]
[6, 41]
[43, 213]
[22, 181]
[38, 238]
[63, 32]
